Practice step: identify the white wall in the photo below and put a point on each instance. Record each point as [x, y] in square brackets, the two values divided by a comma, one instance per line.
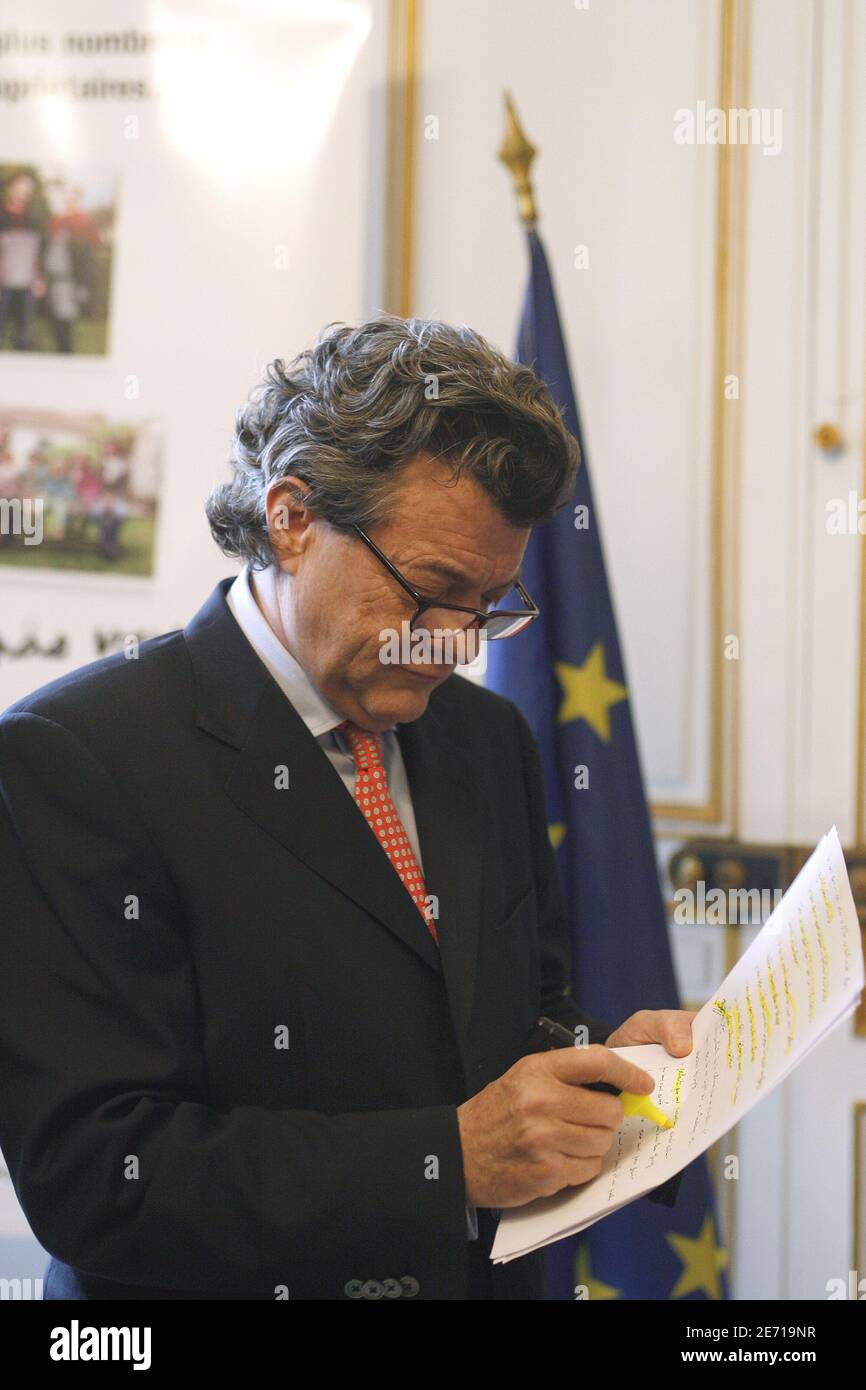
[243, 208]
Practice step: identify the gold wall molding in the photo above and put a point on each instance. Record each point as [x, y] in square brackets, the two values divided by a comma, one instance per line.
[400, 155]
[860, 733]
[858, 1241]
[723, 734]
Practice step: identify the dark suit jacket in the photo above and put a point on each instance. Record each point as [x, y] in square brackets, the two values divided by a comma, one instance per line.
[230, 1052]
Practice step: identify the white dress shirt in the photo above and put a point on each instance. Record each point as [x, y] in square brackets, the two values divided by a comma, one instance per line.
[322, 722]
[314, 709]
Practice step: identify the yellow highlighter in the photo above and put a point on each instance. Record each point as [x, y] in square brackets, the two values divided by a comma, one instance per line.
[632, 1103]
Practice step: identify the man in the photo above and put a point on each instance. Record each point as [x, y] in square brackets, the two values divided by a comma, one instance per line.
[69, 264]
[280, 915]
[22, 247]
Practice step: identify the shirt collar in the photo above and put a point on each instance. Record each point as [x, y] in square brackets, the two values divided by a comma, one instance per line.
[319, 717]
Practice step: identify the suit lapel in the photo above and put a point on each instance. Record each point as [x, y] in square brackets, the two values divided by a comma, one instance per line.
[314, 818]
[317, 820]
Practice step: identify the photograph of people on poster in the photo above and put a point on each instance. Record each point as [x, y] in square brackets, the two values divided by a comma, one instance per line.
[78, 492]
[56, 251]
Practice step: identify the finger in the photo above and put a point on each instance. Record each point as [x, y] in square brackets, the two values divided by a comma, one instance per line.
[581, 1141]
[676, 1031]
[575, 1065]
[575, 1105]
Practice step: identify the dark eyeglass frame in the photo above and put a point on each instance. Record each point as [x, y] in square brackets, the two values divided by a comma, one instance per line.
[529, 613]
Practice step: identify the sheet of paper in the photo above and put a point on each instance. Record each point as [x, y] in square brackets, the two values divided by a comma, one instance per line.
[797, 981]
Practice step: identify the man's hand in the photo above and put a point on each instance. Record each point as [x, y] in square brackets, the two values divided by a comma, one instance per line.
[670, 1027]
[537, 1129]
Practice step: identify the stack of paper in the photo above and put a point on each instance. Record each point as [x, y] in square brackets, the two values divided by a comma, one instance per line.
[801, 976]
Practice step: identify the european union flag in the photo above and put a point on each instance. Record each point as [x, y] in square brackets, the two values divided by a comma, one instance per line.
[566, 674]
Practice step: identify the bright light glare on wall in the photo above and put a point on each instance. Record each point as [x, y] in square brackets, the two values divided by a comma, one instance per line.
[261, 90]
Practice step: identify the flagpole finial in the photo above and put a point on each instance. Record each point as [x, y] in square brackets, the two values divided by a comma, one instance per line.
[517, 154]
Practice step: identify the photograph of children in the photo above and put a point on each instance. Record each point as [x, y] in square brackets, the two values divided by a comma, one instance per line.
[56, 243]
[78, 492]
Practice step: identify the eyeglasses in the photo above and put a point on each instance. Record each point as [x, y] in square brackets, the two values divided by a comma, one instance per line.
[495, 623]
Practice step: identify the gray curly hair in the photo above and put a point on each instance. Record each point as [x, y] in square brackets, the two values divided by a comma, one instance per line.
[347, 414]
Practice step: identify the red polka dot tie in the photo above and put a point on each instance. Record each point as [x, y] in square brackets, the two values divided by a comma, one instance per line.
[374, 802]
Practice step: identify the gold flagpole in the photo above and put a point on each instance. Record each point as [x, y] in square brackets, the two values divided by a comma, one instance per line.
[517, 154]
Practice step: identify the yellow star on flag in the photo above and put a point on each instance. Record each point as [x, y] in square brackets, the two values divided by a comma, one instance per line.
[583, 1275]
[588, 693]
[556, 833]
[702, 1262]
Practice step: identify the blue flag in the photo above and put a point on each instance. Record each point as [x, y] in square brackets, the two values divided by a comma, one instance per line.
[566, 674]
